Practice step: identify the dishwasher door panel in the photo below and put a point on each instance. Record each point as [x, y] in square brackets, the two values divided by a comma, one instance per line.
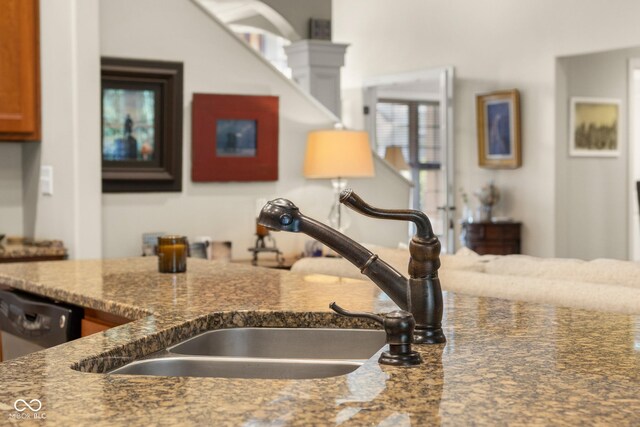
[30, 323]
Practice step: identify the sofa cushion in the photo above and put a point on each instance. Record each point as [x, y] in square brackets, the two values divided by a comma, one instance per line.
[606, 271]
[568, 293]
[329, 266]
[601, 284]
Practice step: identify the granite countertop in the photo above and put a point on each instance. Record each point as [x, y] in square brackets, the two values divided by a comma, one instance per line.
[504, 362]
[37, 249]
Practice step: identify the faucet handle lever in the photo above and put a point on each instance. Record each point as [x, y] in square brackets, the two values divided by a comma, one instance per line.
[423, 226]
[399, 326]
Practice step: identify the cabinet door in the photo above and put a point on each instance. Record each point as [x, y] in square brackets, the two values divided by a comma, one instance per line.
[19, 71]
[95, 321]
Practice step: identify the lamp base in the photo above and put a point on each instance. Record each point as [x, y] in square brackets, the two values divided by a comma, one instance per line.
[339, 217]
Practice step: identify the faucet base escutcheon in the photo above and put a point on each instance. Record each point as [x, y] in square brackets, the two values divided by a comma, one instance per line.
[410, 359]
[429, 336]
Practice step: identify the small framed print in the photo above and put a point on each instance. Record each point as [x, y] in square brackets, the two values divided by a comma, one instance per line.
[594, 127]
[498, 121]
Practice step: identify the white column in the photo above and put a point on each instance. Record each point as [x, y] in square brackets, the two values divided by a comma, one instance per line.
[316, 67]
[70, 81]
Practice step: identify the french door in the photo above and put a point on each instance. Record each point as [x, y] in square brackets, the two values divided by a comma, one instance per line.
[414, 112]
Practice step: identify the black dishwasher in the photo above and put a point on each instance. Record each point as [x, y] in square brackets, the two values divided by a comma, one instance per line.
[30, 323]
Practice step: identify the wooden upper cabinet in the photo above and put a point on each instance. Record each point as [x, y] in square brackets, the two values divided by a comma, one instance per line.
[19, 71]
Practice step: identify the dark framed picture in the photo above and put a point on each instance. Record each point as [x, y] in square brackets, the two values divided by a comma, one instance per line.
[235, 138]
[594, 127]
[141, 125]
[498, 120]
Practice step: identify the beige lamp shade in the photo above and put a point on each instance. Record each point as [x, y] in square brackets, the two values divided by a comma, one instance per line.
[338, 154]
[394, 156]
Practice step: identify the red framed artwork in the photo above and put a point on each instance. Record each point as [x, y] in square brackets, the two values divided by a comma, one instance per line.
[235, 138]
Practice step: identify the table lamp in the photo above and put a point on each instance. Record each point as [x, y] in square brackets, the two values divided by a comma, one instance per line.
[393, 155]
[337, 154]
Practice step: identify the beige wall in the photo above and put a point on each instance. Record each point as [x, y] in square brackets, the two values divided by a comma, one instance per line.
[75, 33]
[70, 90]
[298, 16]
[70, 87]
[11, 189]
[215, 61]
[493, 44]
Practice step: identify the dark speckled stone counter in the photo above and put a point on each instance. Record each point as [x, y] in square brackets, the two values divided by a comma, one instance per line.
[504, 363]
[36, 251]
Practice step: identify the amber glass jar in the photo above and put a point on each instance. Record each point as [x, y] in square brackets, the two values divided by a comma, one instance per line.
[172, 254]
[261, 230]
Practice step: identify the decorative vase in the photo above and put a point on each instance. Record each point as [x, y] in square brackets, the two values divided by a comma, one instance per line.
[467, 213]
[484, 213]
[488, 196]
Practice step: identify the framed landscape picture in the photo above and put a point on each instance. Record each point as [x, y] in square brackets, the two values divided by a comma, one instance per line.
[594, 127]
[235, 138]
[498, 122]
[141, 125]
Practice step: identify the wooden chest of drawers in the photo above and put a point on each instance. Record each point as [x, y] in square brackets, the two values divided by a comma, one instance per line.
[496, 238]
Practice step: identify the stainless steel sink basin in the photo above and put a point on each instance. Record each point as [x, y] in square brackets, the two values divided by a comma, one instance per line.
[295, 343]
[276, 353]
[239, 367]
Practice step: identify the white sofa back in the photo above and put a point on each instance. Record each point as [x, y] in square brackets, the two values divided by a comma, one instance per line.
[601, 284]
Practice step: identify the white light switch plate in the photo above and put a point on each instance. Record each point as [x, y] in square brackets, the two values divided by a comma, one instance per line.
[46, 180]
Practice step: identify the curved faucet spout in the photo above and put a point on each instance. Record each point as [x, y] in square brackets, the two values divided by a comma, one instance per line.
[283, 215]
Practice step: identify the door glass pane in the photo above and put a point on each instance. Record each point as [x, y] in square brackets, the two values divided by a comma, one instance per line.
[395, 126]
[431, 195]
[430, 157]
[429, 144]
[421, 128]
[392, 127]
